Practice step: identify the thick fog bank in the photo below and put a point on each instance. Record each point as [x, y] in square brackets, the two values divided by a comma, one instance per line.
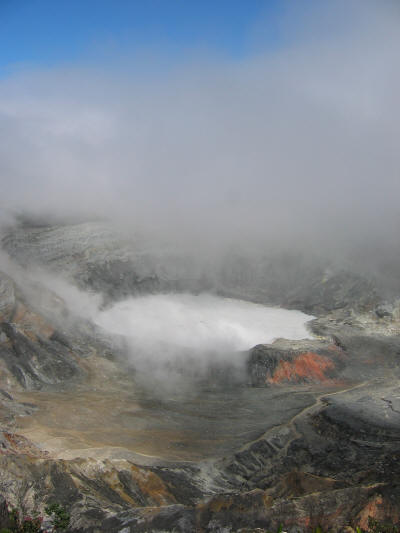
[293, 144]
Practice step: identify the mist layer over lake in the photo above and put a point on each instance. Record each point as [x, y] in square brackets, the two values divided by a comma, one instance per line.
[201, 323]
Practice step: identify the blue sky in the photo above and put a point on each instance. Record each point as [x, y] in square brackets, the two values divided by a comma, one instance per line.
[49, 32]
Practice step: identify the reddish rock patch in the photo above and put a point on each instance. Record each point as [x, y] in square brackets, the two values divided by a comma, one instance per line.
[306, 366]
[379, 508]
[14, 444]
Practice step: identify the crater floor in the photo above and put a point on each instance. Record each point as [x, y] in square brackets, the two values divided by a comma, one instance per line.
[123, 423]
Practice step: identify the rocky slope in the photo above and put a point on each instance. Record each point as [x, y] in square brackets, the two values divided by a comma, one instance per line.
[332, 459]
[102, 258]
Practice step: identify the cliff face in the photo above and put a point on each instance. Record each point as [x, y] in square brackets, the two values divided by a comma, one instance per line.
[329, 457]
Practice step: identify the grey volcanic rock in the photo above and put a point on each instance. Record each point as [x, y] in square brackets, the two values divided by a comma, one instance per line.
[336, 290]
[45, 361]
[63, 247]
[385, 310]
[42, 344]
[10, 409]
[92, 254]
[29, 350]
[297, 280]
[372, 345]
[372, 412]
[7, 297]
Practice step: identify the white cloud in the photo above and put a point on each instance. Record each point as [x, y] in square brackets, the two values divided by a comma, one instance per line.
[299, 142]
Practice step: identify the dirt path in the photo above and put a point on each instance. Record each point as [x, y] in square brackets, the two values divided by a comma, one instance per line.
[291, 423]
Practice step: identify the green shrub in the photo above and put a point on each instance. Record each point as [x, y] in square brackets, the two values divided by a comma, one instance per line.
[59, 515]
[28, 524]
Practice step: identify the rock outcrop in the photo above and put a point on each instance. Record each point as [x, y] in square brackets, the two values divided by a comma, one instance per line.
[295, 362]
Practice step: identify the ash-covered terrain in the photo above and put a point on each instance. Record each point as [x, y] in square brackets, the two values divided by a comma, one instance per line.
[169, 432]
